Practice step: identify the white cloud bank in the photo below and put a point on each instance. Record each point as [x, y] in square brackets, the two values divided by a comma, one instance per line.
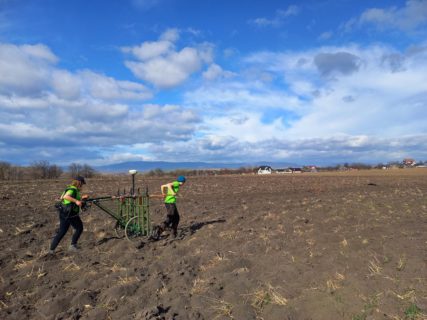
[348, 102]
[323, 105]
[46, 109]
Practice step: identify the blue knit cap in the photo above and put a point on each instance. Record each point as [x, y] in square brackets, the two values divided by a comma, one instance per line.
[180, 179]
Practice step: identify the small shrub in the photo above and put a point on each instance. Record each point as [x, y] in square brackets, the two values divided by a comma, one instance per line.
[412, 312]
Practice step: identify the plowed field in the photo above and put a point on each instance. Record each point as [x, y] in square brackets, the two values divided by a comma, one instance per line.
[310, 246]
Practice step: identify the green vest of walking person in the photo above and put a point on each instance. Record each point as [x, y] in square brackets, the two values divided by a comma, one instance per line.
[68, 213]
[169, 191]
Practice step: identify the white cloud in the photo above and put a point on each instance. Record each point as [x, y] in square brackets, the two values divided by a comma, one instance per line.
[160, 64]
[278, 19]
[25, 69]
[214, 72]
[66, 84]
[325, 36]
[252, 129]
[411, 16]
[149, 50]
[39, 52]
[171, 35]
[240, 96]
[292, 10]
[107, 88]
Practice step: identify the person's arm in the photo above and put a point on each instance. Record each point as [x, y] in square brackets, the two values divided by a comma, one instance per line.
[167, 186]
[71, 199]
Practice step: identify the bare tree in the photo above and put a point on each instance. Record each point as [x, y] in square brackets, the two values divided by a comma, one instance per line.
[85, 170]
[74, 169]
[44, 170]
[88, 171]
[40, 169]
[5, 168]
[54, 172]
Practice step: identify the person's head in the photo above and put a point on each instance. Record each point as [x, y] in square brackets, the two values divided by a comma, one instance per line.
[181, 179]
[78, 182]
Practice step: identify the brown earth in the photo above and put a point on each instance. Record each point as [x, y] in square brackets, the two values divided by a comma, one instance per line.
[310, 246]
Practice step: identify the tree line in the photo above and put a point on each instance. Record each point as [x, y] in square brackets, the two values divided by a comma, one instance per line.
[44, 170]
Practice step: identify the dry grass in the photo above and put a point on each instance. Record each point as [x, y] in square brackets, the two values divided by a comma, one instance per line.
[298, 231]
[264, 296]
[218, 258]
[162, 290]
[22, 264]
[228, 235]
[374, 267]
[401, 263]
[41, 273]
[199, 286]
[222, 309]
[3, 305]
[310, 242]
[407, 296]
[23, 229]
[240, 270]
[127, 280]
[72, 267]
[117, 268]
[333, 285]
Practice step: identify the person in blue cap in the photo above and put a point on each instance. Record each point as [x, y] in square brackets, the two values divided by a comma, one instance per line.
[169, 191]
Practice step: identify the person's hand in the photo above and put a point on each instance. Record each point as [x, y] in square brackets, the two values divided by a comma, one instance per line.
[78, 203]
[84, 197]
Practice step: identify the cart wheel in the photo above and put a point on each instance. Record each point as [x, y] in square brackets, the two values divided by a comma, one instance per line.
[127, 226]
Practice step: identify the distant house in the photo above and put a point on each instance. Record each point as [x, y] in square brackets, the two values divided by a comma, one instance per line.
[408, 162]
[296, 170]
[283, 171]
[265, 170]
[312, 168]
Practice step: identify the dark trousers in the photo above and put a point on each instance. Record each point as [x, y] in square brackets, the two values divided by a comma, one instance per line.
[172, 218]
[64, 224]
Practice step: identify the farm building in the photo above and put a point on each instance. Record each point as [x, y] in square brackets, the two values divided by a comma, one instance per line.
[312, 168]
[408, 162]
[265, 170]
[283, 171]
[288, 170]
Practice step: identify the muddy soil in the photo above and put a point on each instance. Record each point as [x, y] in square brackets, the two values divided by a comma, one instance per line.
[309, 246]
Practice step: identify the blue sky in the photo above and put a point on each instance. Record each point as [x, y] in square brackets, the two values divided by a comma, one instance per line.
[307, 82]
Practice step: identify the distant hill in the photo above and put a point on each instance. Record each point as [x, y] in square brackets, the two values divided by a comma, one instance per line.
[170, 166]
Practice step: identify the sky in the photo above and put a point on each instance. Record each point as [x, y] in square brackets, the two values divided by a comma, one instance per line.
[308, 82]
